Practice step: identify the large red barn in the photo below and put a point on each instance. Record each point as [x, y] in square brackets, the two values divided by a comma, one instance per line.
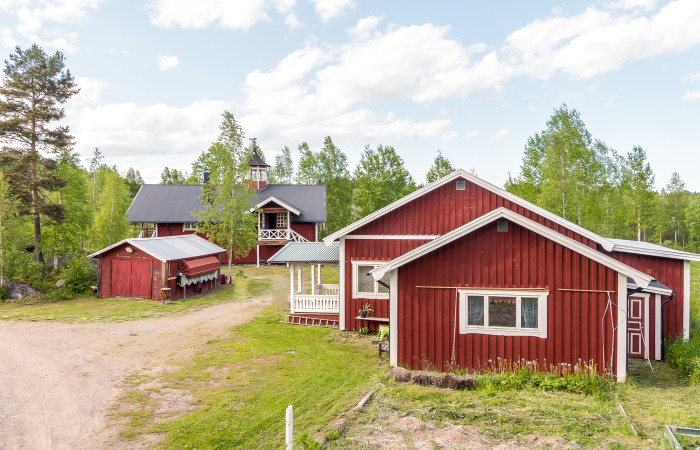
[467, 272]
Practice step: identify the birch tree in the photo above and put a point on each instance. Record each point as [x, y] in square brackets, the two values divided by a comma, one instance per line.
[111, 224]
[441, 167]
[639, 184]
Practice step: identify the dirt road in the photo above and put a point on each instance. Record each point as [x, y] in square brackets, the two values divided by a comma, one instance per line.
[57, 380]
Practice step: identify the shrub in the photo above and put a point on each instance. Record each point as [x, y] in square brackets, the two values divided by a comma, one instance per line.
[4, 293]
[79, 275]
[685, 356]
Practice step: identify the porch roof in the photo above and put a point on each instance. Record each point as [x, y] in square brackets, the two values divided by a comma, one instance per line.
[307, 252]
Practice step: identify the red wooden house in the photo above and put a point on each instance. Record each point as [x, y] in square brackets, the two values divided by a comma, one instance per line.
[287, 213]
[467, 272]
[143, 267]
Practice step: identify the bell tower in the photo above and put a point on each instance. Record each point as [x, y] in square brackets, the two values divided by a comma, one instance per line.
[258, 171]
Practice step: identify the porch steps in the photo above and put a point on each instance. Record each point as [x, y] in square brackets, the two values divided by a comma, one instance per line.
[311, 321]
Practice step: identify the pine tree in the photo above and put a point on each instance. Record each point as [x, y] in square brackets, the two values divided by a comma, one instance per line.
[33, 90]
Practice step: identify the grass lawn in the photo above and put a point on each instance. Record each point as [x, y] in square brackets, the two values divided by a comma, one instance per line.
[240, 386]
[250, 282]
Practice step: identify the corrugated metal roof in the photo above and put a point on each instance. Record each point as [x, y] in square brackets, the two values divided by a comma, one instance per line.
[174, 203]
[169, 248]
[310, 252]
[647, 248]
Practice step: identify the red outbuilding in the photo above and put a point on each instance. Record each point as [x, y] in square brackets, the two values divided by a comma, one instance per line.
[466, 272]
[157, 268]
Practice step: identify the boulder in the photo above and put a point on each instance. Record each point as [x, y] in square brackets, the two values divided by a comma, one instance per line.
[399, 374]
[18, 291]
[59, 284]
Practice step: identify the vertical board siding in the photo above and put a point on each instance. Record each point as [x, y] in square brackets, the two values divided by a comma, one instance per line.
[445, 208]
[486, 258]
[670, 273]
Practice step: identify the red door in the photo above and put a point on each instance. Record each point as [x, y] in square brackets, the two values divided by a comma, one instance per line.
[131, 278]
[637, 342]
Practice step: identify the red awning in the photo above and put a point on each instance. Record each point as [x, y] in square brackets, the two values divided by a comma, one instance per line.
[200, 266]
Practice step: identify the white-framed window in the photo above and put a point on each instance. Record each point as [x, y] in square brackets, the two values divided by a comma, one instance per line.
[282, 220]
[189, 226]
[363, 285]
[503, 313]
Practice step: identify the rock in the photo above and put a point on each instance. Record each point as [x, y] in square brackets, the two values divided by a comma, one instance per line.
[399, 374]
[18, 291]
[15, 296]
[59, 284]
[459, 383]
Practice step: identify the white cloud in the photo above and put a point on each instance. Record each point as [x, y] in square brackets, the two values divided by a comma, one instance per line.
[501, 133]
[364, 27]
[291, 21]
[645, 5]
[449, 135]
[330, 9]
[690, 96]
[471, 134]
[167, 62]
[691, 76]
[235, 15]
[90, 92]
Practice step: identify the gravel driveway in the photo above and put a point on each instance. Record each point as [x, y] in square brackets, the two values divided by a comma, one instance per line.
[58, 380]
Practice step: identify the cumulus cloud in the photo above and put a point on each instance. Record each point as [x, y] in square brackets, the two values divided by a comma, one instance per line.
[690, 96]
[501, 133]
[645, 5]
[90, 92]
[168, 62]
[234, 15]
[330, 9]
[364, 27]
[691, 76]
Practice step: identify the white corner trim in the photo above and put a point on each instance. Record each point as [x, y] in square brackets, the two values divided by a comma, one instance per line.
[686, 300]
[657, 328]
[341, 286]
[388, 237]
[621, 333]
[394, 318]
[639, 277]
[460, 173]
[374, 295]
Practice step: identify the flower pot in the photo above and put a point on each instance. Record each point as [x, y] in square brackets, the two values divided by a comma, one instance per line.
[363, 313]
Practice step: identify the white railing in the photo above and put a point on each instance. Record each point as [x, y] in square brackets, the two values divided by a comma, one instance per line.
[283, 234]
[316, 303]
[326, 289]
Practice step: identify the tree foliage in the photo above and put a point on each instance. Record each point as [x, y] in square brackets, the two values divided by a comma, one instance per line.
[380, 179]
[283, 170]
[33, 90]
[173, 176]
[441, 167]
[638, 179]
[228, 196]
[111, 224]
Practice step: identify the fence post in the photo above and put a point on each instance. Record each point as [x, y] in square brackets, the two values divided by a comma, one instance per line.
[289, 435]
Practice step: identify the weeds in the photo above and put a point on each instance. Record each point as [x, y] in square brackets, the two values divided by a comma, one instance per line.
[685, 356]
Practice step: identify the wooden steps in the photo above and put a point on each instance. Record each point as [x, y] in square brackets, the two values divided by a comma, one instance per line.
[329, 322]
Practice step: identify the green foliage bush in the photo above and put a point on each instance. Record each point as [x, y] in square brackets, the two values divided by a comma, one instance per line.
[685, 356]
[4, 293]
[582, 378]
[79, 275]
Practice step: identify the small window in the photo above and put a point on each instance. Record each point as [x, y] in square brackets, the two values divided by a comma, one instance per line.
[191, 226]
[281, 220]
[502, 226]
[364, 285]
[461, 185]
[507, 313]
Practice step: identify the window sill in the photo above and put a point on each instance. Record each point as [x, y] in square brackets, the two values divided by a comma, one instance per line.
[496, 331]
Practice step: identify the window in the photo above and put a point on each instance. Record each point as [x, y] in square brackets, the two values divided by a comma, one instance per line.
[461, 185]
[363, 285]
[191, 226]
[507, 313]
[282, 220]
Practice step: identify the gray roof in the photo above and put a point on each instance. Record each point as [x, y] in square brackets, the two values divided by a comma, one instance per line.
[309, 252]
[647, 248]
[655, 286]
[173, 203]
[169, 248]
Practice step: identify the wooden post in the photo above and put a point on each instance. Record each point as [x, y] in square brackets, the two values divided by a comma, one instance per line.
[291, 288]
[257, 252]
[319, 274]
[289, 434]
[299, 280]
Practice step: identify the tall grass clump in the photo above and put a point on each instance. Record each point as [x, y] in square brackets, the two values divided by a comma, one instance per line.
[685, 356]
[582, 378]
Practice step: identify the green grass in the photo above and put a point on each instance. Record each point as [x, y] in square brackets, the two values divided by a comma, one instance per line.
[243, 383]
[92, 309]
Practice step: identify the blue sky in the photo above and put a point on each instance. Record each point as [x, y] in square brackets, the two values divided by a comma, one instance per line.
[473, 79]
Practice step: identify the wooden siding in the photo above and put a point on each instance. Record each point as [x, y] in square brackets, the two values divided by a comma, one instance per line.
[670, 273]
[445, 208]
[370, 250]
[518, 258]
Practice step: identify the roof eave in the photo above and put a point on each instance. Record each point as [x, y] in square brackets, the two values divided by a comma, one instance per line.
[684, 256]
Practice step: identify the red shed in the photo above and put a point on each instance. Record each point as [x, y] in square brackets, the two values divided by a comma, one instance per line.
[143, 267]
[542, 258]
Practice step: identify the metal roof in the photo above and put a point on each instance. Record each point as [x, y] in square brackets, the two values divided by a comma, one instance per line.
[257, 161]
[308, 252]
[655, 287]
[169, 248]
[647, 248]
[174, 203]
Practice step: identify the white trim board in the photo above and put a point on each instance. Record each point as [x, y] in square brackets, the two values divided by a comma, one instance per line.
[686, 300]
[621, 333]
[282, 203]
[460, 173]
[639, 277]
[388, 237]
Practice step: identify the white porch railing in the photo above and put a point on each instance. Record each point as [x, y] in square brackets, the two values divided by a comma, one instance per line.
[283, 234]
[327, 289]
[304, 303]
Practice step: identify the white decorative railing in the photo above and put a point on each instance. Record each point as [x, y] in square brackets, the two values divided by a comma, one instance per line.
[316, 303]
[326, 289]
[283, 234]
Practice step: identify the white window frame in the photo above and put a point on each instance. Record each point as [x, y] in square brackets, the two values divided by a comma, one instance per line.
[189, 226]
[281, 216]
[355, 293]
[540, 331]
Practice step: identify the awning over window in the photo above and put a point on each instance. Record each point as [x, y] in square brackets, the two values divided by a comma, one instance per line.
[186, 281]
[200, 266]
